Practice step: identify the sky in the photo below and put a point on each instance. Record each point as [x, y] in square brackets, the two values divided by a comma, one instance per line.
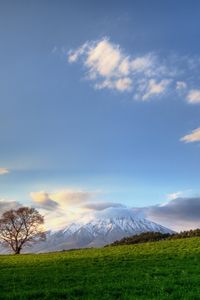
[100, 107]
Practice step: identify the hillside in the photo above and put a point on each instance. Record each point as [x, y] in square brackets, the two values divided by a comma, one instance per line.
[161, 270]
[153, 236]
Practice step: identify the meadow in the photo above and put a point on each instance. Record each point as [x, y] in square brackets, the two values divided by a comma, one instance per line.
[158, 270]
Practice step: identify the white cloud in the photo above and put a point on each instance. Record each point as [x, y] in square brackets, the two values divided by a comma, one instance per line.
[64, 199]
[193, 96]
[192, 137]
[66, 206]
[155, 88]
[110, 68]
[181, 85]
[174, 196]
[146, 76]
[141, 64]
[104, 58]
[124, 66]
[74, 55]
[112, 212]
[3, 171]
[43, 200]
[101, 205]
[62, 207]
[123, 84]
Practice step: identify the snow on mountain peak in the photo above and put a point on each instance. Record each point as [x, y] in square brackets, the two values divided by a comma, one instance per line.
[103, 228]
[120, 212]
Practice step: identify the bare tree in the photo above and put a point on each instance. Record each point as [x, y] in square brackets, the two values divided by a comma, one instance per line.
[21, 227]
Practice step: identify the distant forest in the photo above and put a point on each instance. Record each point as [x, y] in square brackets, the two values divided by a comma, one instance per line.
[155, 236]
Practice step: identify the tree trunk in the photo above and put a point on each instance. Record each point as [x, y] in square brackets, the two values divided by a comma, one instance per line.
[17, 251]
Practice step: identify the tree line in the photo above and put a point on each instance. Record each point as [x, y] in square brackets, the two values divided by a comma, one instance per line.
[155, 236]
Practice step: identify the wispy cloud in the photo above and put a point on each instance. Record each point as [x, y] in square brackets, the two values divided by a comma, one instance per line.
[175, 195]
[193, 96]
[192, 137]
[3, 171]
[155, 88]
[108, 66]
[102, 205]
[146, 76]
[181, 85]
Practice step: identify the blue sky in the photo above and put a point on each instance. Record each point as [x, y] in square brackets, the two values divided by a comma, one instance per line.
[69, 124]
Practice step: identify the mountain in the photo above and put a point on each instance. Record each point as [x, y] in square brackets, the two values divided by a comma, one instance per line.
[97, 232]
[104, 228]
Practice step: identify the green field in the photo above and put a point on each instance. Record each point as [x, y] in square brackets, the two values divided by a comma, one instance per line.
[160, 270]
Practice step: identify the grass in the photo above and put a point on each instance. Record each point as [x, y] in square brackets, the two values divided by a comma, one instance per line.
[160, 270]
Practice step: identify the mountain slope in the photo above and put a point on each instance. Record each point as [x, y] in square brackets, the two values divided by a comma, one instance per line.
[98, 232]
[101, 230]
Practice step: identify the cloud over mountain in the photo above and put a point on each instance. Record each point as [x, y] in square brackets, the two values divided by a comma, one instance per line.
[102, 205]
[181, 213]
[64, 207]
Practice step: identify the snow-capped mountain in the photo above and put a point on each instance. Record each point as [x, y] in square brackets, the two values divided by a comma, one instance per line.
[98, 232]
[103, 228]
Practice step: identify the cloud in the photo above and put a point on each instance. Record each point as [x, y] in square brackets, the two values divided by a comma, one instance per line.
[62, 208]
[193, 96]
[178, 214]
[109, 67]
[74, 55]
[155, 88]
[104, 58]
[142, 64]
[175, 195]
[43, 200]
[181, 85]
[112, 212]
[72, 197]
[121, 84]
[7, 205]
[67, 206]
[61, 199]
[3, 171]
[146, 76]
[102, 205]
[192, 137]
